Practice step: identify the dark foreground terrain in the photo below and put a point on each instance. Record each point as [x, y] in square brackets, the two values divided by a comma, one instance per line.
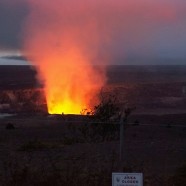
[37, 149]
[46, 150]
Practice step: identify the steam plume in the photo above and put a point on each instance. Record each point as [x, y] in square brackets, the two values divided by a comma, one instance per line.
[64, 39]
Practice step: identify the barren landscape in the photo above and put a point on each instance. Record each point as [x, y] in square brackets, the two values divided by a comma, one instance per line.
[40, 149]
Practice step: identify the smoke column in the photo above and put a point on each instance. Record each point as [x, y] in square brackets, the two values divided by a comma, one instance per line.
[63, 39]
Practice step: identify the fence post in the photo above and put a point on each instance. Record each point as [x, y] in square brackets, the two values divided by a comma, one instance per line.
[121, 136]
[123, 121]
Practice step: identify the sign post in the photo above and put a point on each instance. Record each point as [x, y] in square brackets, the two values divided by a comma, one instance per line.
[123, 121]
[121, 136]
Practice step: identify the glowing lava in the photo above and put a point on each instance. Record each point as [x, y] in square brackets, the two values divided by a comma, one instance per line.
[62, 43]
[70, 88]
[71, 83]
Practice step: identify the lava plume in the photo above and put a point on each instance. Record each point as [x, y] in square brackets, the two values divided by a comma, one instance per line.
[64, 38]
[62, 41]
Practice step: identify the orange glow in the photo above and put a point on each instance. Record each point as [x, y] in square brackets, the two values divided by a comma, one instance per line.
[69, 88]
[63, 53]
[71, 83]
[63, 39]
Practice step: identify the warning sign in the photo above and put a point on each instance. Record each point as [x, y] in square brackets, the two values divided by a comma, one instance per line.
[127, 179]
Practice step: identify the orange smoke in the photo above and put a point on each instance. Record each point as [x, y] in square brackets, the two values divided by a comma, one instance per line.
[69, 88]
[62, 44]
[64, 38]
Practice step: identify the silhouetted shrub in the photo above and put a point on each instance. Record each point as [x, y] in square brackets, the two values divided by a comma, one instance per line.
[107, 109]
[10, 126]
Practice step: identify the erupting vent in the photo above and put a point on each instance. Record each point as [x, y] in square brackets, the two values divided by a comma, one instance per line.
[62, 43]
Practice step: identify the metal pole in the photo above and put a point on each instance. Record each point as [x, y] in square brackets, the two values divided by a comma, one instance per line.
[121, 136]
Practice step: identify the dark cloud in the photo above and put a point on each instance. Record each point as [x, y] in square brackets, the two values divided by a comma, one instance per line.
[140, 27]
[12, 16]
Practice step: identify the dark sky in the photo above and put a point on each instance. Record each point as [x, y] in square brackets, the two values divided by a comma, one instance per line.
[12, 16]
[144, 29]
